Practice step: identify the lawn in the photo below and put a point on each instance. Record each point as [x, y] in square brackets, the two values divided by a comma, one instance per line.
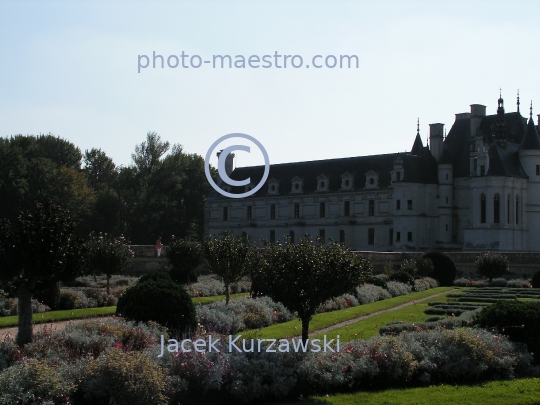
[208, 300]
[42, 317]
[323, 320]
[521, 391]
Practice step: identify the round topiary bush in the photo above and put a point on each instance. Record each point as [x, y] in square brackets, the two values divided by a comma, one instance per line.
[379, 282]
[519, 320]
[536, 280]
[444, 268]
[163, 302]
[402, 277]
[491, 265]
[156, 276]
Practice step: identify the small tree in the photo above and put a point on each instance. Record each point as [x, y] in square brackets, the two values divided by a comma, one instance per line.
[491, 265]
[304, 275]
[39, 250]
[185, 256]
[229, 257]
[107, 255]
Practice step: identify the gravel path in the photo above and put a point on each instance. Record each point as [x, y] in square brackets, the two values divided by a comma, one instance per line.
[39, 327]
[345, 323]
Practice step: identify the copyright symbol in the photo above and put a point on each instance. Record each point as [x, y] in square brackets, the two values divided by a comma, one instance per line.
[221, 165]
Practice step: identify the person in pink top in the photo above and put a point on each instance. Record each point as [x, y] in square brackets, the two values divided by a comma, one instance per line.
[159, 245]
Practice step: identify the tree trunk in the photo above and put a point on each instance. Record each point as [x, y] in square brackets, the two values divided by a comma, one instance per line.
[227, 294]
[24, 299]
[108, 278]
[305, 329]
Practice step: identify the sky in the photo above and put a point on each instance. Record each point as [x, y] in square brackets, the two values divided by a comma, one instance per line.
[72, 69]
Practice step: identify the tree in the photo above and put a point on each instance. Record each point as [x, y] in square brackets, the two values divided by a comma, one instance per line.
[107, 255]
[304, 275]
[39, 249]
[229, 257]
[185, 256]
[491, 265]
[444, 268]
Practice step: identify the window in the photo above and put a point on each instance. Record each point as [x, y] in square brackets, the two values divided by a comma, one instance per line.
[447, 200]
[342, 236]
[322, 234]
[398, 204]
[371, 208]
[496, 209]
[322, 210]
[482, 208]
[391, 236]
[371, 236]
[482, 170]
[225, 213]
[249, 212]
[347, 208]
[508, 209]
[446, 176]
[272, 236]
[398, 176]
[291, 236]
[409, 236]
[538, 170]
[517, 209]
[446, 226]
[297, 210]
[272, 211]
[398, 236]
[409, 204]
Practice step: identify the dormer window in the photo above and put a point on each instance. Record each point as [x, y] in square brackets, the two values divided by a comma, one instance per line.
[273, 186]
[226, 188]
[297, 185]
[347, 181]
[372, 179]
[248, 187]
[323, 183]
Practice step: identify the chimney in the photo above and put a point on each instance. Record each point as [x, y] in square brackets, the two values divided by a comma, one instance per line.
[478, 111]
[229, 162]
[436, 139]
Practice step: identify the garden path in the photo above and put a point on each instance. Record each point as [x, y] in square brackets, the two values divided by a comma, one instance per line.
[350, 321]
[39, 327]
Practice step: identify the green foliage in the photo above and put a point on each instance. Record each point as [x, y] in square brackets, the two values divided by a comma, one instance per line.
[230, 257]
[126, 378]
[40, 248]
[185, 256]
[402, 277]
[48, 293]
[491, 265]
[444, 268]
[163, 302]
[107, 255]
[519, 320]
[156, 276]
[304, 275]
[379, 282]
[536, 280]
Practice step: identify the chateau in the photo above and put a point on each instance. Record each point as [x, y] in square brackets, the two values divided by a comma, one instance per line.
[476, 188]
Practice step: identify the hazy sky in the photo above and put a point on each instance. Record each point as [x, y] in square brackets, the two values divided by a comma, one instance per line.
[71, 69]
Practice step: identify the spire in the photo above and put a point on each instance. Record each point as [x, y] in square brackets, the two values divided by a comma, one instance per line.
[531, 141]
[530, 114]
[418, 145]
[518, 102]
[500, 107]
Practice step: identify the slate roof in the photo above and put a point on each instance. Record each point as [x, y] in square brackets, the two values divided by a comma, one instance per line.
[421, 168]
[458, 143]
[505, 161]
[530, 140]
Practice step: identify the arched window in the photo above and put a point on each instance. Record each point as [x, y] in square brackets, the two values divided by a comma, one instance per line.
[482, 208]
[291, 235]
[508, 205]
[496, 209]
[342, 236]
[517, 209]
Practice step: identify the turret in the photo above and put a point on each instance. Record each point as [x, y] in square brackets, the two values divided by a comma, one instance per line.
[445, 174]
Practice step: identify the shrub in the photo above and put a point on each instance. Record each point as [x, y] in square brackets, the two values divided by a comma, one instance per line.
[369, 293]
[491, 265]
[536, 280]
[518, 283]
[126, 378]
[444, 268]
[184, 256]
[8, 306]
[498, 282]
[519, 320]
[378, 281]
[164, 302]
[48, 293]
[156, 276]
[395, 288]
[402, 277]
[74, 299]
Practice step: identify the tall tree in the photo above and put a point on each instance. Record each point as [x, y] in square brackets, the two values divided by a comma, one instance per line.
[40, 248]
[100, 169]
[304, 275]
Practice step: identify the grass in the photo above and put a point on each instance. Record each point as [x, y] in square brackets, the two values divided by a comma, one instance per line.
[42, 317]
[208, 300]
[320, 321]
[525, 391]
[369, 327]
